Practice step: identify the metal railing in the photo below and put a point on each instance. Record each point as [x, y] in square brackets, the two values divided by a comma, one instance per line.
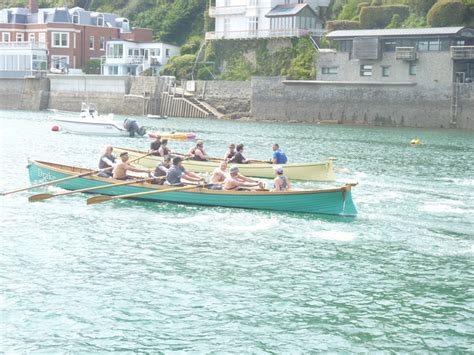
[30, 45]
[226, 10]
[291, 32]
[405, 53]
[462, 52]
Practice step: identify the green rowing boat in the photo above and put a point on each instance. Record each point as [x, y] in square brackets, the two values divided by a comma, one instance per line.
[334, 201]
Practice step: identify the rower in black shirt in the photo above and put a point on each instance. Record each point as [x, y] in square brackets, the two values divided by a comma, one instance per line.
[155, 146]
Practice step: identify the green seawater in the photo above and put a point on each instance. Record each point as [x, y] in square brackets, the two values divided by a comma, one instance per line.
[130, 276]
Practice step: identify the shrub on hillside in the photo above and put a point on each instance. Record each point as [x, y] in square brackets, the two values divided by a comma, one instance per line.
[238, 69]
[180, 66]
[381, 16]
[446, 13]
[396, 22]
[362, 5]
[192, 45]
[342, 25]
[420, 7]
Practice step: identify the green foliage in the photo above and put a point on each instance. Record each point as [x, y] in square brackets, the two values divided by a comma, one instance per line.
[446, 13]
[381, 16]
[420, 7]
[342, 25]
[351, 9]
[92, 66]
[180, 66]
[303, 64]
[361, 5]
[396, 22]
[414, 21]
[192, 45]
[204, 73]
[237, 70]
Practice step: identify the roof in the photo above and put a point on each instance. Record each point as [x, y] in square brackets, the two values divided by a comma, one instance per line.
[288, 10]
[397, 32]
[59, 15]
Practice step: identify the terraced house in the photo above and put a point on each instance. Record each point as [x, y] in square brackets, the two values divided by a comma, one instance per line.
[66, 37]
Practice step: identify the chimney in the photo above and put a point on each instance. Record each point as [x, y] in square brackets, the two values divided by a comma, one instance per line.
[33, 6]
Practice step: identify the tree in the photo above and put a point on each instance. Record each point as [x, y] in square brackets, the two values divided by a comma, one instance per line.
[446, 13]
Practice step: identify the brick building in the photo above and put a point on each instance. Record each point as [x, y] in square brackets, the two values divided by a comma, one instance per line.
[71, 36]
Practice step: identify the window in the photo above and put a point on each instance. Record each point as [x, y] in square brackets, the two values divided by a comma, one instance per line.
[366, 70]
[253, 25]
[75, 18]
[125, 26]
[385, 71]
[423, 46]
[433, 46]
[60, 39]
[115, 50]
[344, 46]
[102, 43]
[412, 69]
[226, 26]
[31, 37]
[389, 46]
[20, 37]
[59, 62]
[91, 42]
[40, 62]
[42, 37]
[329, 70]
[100, 20]
[6, 37]
[167, 52]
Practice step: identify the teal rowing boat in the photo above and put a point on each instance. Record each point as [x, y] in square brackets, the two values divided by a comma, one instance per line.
[334, 201]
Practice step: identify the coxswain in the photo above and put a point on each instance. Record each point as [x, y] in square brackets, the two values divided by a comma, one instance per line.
[178, 172]
[279, 156]
[121, 168]
[238, 158]
[155, 145]
[198, 152]
[107, 160]
[235, 181]
[281, 182]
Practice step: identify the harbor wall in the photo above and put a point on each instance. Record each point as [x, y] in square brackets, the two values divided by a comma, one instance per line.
[262, 98]
[24, 94]
[378, 104]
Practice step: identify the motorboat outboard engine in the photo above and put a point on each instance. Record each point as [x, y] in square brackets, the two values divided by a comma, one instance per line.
[133, 128]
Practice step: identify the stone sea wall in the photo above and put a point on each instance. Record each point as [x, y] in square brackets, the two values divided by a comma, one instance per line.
[262, 98]
[382, 104]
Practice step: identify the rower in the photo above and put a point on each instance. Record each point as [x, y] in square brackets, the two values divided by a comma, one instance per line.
[198, 153]
[155, 145]
[281, 182]
[177, 171]
[279, 156]
[107, 160]
[121, 169]
[164, 151]
[161, 170]
[237, 181]
[238, 158]
[230, 153]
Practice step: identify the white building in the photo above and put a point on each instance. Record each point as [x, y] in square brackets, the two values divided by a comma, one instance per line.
[242, 19]
[19, 59]
[131, 58]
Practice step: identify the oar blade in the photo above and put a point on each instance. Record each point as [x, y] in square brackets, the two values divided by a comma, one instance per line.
[98, 199]
[39, 197]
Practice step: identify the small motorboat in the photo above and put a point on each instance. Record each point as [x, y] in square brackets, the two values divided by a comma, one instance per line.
[157, 117]
[90, 122]
[173, 135]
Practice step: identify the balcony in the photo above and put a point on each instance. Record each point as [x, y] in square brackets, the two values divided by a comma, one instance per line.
[291, 32]
[405, 53]
[227, 10]
[23, 45]
[462, 52]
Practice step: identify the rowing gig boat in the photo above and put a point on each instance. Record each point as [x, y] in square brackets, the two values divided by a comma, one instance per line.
[322, 171]
[173, 135]
[334, 201]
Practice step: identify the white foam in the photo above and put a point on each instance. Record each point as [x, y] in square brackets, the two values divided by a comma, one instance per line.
[443, 207]
[334, 236]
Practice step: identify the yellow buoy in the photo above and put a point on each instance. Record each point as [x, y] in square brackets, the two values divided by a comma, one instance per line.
[415, 141]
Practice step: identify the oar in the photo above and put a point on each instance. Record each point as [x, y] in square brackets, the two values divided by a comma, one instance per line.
[99, 199]
[66, 178]
[41, 197]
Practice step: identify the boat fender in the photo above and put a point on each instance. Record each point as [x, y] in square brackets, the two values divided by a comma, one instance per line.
[55, 128]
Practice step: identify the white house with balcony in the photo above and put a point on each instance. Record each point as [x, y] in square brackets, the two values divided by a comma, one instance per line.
[246, 19]
[132, 58]
[20, 59]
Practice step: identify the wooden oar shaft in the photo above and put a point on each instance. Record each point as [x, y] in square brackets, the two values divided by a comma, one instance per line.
[98, 199]
[41, 197]
[66, 178]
